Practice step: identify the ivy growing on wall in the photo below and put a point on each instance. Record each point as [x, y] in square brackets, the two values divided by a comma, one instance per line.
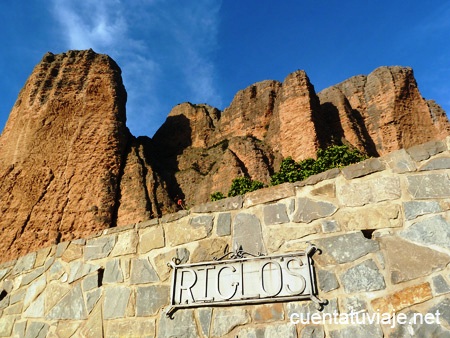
[335, 156]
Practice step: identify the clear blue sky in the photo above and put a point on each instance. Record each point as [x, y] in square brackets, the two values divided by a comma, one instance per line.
[204, 51]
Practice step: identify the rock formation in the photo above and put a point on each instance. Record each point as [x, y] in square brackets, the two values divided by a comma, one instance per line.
[69, 166]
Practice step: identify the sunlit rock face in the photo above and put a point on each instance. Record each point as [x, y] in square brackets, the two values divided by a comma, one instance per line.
[69, 167]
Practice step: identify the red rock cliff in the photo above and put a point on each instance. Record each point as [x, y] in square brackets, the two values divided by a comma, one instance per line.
[69, 166]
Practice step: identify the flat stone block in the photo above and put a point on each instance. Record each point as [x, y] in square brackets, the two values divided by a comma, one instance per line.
[417, 328]
[330, 226]
[402, 299]
[208, 249]
[6, 325]
[414, 209]
[247, 233]
[150, 299]
[431, 231]
[363, 277]
[182, 231]
[226, 320]
[71, 306]
[429, 186]
[130, 328]
[151, 238]
[425, 151]
[327, 280]
[113, 272]
[126, 243]
[36, 330]
[344, 248]
[230, 203]
[174, 217]
[269, 194]
[161, 261]
[399, 161]
[79, 270]
[24, 263]
[314, 179]
[365, 330]
[407, 261]
[275, 214]
[115, 301]
[72, 252]
[309, 210]
[99, 247]
[371, 217]
[266, 313]
[142, 272]
[369, 166]
[275, 236]
[224, 224]
[363, 192]
[444, 309]
[436, 164]
[440, 285]
[182, 325]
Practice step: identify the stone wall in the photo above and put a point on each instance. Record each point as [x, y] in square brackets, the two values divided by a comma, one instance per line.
[383, 226]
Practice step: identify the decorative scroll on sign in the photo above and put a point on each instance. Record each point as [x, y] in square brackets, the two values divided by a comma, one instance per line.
[244, 280]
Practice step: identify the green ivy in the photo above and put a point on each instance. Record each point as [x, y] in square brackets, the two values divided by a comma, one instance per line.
[331, 157]
[242, 185]
[215, 196]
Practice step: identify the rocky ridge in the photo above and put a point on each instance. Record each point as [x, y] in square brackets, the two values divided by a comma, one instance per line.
[69, 166]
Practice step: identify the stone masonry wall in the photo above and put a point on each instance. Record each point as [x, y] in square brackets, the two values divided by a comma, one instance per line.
[383, 226]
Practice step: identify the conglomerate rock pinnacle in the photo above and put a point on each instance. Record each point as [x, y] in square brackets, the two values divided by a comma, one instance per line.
[69, 167]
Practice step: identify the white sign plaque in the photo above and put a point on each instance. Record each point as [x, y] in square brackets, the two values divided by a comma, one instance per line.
[260, 279]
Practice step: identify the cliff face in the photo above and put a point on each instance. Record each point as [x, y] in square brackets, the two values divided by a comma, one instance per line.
[69, 166]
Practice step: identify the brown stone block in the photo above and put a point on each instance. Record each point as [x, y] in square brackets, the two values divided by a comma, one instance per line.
[402, 299]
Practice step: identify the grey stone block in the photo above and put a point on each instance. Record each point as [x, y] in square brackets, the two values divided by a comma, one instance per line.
[327, 280]
[429, 186]
[204, 221]
[363, 277]
[24, 263]
[36, 330]
[204, 318]
[414, 209]
[440, 285]
[247, 233]
[182, 325]
[226, 319]
[79, 270]
[369, 166]
[365, 330]
[224, 224]
[436, 164]
[71, 306]
[174, 217]
[275, 214]
[353, 304]
[113, 273]
[425, 151]
[444, 310]
[400, 162]
[231, 203]
[345, 248]
[92, 298]
[313, 331]
[431, 231]
[309, 210]
[142, 272]
[115, 301]
[330, 226]
[416, 328]
[99, 247]
[150, 299]
[360, 193]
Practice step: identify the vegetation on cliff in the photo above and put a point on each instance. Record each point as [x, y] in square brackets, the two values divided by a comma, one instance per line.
[335, 156]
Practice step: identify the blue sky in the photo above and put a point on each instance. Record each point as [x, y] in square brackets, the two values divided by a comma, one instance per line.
[204, 51]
